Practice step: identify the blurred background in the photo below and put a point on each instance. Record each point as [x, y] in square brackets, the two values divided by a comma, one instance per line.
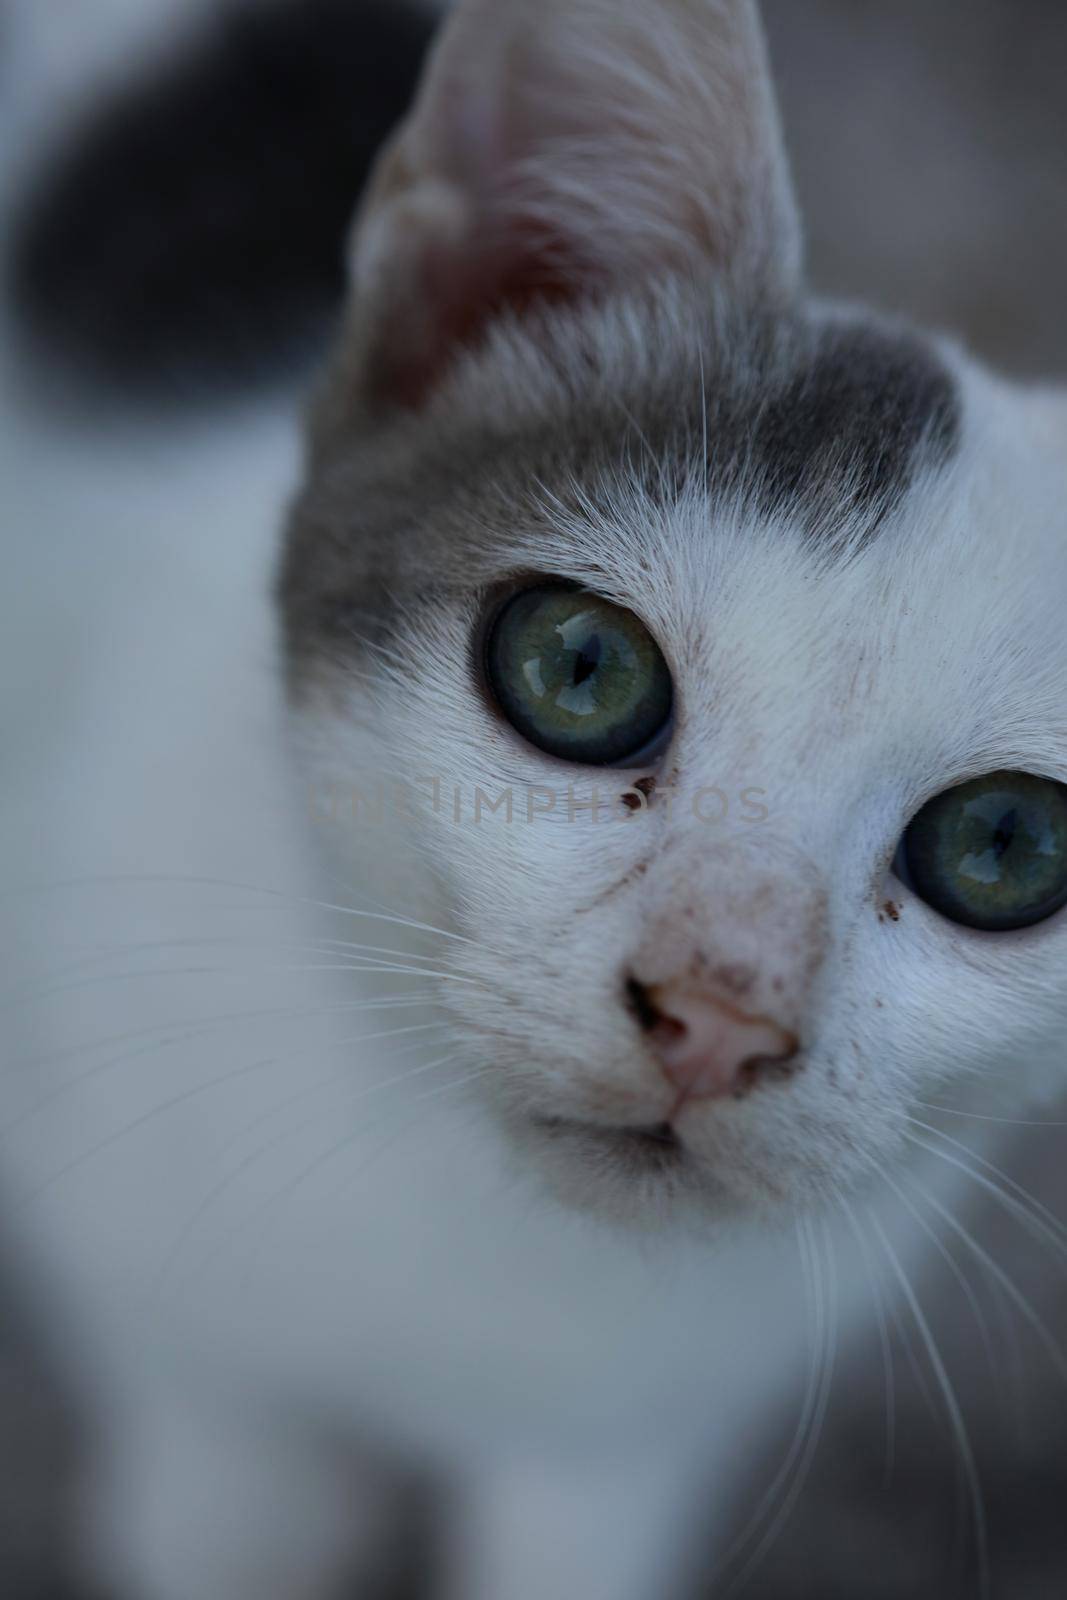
[143, 144]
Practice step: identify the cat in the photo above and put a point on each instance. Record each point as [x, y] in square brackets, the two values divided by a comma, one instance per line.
[689, 936]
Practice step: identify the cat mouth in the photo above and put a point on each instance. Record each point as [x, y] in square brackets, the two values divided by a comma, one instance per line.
[648, 1148]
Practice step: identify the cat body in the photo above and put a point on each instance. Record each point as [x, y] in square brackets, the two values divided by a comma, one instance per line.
[239, 1228]
[446, 1187]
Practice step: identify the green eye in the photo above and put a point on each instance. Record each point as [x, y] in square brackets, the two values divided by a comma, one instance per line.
[579, 677]
[992, 854]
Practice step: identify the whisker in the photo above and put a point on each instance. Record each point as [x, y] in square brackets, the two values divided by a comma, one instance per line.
[233, 1176]
[135, 878]
[212, 1024]
[200, 1031]
[280, 1196]
[818, 1422]
[338, 1076]
[170, 1104]
[1037, 1219]
[320, 946]
[979, 1116]
[434, 1094]
[1022, 1304]
[343, 1144]
[369, 968]
[954, 1268]
[952, 1408]
[816, 1307]
[883, 1335]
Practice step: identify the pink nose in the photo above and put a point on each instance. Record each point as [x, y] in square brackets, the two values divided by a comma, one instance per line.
[706, 1047]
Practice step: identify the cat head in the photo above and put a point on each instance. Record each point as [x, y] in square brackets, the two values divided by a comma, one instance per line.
[679, 600]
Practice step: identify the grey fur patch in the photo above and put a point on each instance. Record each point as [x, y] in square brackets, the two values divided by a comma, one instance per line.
[850, 428]
[823, 421]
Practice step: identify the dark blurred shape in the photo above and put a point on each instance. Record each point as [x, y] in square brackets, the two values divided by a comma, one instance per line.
[191, 236]
[38, 1459]
[885, 1512]
[858, 1534]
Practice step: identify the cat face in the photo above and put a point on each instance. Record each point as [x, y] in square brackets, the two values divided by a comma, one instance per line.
[665, 599]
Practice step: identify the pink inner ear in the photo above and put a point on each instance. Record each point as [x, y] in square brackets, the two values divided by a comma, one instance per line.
[557, 148]
[461, 287]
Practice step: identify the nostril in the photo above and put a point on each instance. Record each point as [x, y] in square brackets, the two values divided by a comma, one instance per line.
[641, 1004]
[666, 1031]
[778, 1068]
[705, 1046]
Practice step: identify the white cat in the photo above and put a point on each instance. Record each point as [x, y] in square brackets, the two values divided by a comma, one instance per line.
[703, 648]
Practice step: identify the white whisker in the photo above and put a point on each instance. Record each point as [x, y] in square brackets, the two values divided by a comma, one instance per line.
[186, 1034]
[882, 1324]
[979, 1116]
[179, 879]
[234, 1174]
[765, 1517]
[954, 1268]
[1006, 1283]
[952, 1408]
[339, 1146]
[1035, 1217]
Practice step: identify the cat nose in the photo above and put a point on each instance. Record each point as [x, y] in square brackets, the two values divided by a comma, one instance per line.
[706, 1047]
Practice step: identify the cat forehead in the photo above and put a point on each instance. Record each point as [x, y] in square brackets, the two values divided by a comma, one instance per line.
[821, 419]
[813, 420]
[826, 514]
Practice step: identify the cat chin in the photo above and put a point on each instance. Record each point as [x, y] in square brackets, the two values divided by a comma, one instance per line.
[789, 1146]
[636, 1176]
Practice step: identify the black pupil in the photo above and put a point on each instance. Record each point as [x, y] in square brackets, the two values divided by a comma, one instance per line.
[1004, 834]
[588, 659]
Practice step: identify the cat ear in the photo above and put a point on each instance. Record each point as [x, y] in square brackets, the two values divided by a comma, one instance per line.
[560, 147]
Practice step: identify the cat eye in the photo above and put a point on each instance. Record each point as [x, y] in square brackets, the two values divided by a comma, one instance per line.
[579, 677]
[992, 853]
